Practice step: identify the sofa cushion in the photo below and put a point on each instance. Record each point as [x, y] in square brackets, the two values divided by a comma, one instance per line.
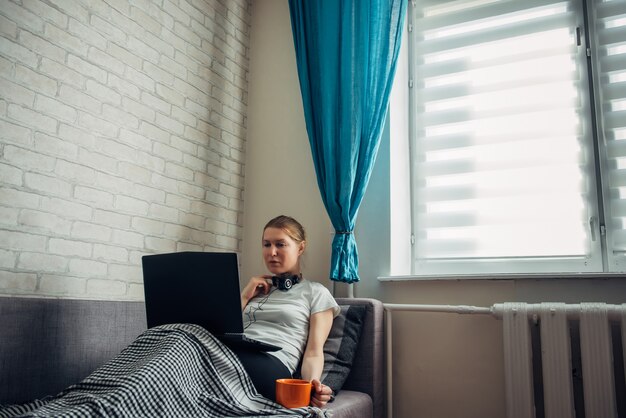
[48, 344]
[341, 346]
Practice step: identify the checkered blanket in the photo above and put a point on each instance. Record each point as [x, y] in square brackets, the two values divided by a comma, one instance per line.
[169, 371]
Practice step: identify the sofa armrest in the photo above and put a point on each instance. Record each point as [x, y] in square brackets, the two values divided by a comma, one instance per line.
[367, 372]
[351, 404]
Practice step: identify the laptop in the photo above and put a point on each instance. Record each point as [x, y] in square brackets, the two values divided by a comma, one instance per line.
[197, 288]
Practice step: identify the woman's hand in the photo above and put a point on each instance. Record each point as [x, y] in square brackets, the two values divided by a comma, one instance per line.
[321, 394]
[256, 286]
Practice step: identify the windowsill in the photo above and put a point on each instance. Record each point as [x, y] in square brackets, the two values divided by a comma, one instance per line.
[503, 276]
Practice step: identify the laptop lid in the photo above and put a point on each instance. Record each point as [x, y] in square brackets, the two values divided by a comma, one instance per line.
[193, 287]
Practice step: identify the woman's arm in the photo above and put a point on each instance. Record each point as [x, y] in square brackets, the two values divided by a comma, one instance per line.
[313, 359]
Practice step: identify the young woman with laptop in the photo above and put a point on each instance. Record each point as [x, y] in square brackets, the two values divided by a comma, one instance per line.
[287, 310]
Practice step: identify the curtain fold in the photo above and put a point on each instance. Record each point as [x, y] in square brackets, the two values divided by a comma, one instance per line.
[346, 52]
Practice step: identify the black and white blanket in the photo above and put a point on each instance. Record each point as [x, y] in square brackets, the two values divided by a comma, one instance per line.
[169, 371]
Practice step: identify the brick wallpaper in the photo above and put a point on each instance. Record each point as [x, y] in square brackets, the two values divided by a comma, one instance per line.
[122, 133]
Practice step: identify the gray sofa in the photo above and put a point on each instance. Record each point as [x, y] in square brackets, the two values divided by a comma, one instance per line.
[49, 344]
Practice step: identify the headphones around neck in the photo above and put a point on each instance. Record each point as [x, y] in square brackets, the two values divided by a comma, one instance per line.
[286, 281]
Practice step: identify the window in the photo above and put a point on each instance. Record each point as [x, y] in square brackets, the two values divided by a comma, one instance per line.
[517, 136]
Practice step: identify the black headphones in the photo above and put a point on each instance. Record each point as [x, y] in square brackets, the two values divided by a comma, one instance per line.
[285, 281]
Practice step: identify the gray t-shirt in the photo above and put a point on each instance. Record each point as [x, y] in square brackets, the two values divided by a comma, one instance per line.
[282, 318]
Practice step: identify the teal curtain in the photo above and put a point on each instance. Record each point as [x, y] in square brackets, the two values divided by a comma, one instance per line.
[346, 52]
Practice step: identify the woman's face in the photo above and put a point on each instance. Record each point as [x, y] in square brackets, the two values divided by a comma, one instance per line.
[280, 252]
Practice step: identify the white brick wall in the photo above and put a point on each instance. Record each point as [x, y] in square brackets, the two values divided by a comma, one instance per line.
[122, 133]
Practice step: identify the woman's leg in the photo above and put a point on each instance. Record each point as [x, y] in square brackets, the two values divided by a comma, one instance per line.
[263, 369]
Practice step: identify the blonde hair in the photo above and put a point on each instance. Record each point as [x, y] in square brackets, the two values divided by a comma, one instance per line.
[290, 226]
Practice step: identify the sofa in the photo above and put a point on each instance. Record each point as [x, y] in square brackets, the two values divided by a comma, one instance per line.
[49, 344]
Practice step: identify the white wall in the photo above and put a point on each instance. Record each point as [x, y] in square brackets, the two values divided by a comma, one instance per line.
[445, 365]
[122, 132]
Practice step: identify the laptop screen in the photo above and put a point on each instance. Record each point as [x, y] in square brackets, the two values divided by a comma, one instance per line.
[193, 287]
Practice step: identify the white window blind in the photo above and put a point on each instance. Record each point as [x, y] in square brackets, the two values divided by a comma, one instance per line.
[502, 145]
[610, 58]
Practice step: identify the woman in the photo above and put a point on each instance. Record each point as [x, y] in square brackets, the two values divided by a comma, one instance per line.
[298, 318]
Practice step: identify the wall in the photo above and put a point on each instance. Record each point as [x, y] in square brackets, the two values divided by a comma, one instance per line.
[122, 133]
[280, 178]
[445, 365]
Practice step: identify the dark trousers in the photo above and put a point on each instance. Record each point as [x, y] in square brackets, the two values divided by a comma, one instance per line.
[263, 369]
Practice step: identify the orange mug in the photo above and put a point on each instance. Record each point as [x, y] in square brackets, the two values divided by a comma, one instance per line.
[293, 393]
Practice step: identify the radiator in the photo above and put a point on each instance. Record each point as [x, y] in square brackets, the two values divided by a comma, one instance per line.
[593, 324]
[555, 320]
